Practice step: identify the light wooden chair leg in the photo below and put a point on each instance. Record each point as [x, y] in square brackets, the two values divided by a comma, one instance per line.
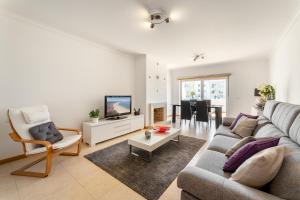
[72, 153]
[22, 171]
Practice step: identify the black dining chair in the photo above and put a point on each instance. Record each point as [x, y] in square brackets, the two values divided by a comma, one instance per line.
[186, 112]
[202, 111]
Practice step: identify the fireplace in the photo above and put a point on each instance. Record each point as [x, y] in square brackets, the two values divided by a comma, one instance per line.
[158, 113]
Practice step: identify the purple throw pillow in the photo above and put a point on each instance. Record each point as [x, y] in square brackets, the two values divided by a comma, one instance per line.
[239, 117]
[247, 151]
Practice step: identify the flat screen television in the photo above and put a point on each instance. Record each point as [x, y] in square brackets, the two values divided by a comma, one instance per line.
[116, 106]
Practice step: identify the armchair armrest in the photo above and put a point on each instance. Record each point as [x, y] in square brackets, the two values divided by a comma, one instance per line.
[227, 121]
[209, 186]
[77, 131]
[16, 138]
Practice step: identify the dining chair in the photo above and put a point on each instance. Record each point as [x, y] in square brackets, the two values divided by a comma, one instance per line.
[185, 112]
[202, 111]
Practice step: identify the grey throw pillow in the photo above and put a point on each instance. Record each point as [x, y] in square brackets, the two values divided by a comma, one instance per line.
[245, 127]
[46, 132]
[238, 145]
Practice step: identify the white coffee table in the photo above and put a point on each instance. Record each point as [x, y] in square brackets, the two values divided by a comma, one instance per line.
[156, 140]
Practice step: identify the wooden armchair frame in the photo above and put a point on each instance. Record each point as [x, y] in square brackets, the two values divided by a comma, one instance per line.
[48, 155]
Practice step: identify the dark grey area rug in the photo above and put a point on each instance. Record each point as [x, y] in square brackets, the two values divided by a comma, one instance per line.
[149, 179]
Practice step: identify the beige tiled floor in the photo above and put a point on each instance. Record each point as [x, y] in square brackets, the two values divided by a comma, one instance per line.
[77, 178]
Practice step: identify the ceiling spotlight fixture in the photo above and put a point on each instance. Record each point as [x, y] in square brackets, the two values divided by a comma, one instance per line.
[158, 17]
[197, 56]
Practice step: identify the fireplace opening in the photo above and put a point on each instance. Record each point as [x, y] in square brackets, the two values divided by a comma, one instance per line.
[158, 114]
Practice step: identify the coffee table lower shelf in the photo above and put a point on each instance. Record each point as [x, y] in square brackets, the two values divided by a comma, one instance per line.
[149, 159]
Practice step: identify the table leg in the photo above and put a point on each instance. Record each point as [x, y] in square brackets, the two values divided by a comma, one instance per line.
[218, 113]
[176, 140]
[130, 149]
[173, 114]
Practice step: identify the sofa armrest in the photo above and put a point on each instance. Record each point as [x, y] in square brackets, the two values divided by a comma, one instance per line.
[206, 185]
[227, 121]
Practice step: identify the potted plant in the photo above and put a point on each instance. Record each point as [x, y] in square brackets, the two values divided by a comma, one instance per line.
[192, 94]
[94, 115]
[267, 92]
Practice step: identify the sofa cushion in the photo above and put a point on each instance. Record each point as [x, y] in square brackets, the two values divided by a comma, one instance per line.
[269, 130]
[286, 184]
[221, 143]
[269, 108]
[238, 145]
[261, 122]
[261, 168]
[245, 126]
[237, 119]
[247, 151]
[294, 132]
[212, 161]
[284, 115]
[225, 131]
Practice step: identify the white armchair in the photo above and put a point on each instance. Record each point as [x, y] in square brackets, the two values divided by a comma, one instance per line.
[21, 120]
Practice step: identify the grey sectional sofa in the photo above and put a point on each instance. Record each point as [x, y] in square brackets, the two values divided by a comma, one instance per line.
[207, 181]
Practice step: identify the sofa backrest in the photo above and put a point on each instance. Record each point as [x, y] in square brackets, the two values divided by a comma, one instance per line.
[269, 108]
[284, 115]
[286, 184]
[294, 132]
[268, 130]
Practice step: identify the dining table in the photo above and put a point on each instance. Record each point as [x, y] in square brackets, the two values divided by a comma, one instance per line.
[217, 108]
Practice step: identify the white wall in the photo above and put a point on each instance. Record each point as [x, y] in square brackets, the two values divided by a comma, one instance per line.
[246, 76]
[39, 65]
[285, 65]
[150, 84]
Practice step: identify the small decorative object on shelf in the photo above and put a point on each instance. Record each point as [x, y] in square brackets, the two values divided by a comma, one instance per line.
[137, 112]
[94, 115]
[148, 134]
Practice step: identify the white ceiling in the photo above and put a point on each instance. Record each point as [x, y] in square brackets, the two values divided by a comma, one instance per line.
[222, 29]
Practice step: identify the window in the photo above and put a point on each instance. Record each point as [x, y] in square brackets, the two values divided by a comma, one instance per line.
[214, 89]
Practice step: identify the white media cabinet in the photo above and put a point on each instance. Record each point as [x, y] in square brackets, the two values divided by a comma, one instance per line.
[107, 129]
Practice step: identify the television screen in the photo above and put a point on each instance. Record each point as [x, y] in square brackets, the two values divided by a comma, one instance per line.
[117, 105]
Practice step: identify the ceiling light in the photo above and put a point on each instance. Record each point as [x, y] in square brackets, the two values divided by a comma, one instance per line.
[158, 17]
[197, 56]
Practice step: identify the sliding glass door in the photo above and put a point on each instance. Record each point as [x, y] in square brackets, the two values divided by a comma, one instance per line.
[214, 89]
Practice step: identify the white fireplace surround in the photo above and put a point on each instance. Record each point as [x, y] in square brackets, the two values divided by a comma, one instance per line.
[154, 106]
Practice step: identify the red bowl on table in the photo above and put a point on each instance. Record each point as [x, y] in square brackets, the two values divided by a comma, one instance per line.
[162, 129]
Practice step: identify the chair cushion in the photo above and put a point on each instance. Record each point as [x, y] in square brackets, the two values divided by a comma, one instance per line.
[46, 132]
[222, 143]
[245, 126]
[261, 168]
[213, 161]
[68, 139]
[247, 151]
[35, 114]
[284, 115]
[20, 125]
[269, 109]
[238, 145]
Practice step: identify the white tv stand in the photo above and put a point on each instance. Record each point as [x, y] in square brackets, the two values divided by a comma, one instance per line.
[107, 129]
